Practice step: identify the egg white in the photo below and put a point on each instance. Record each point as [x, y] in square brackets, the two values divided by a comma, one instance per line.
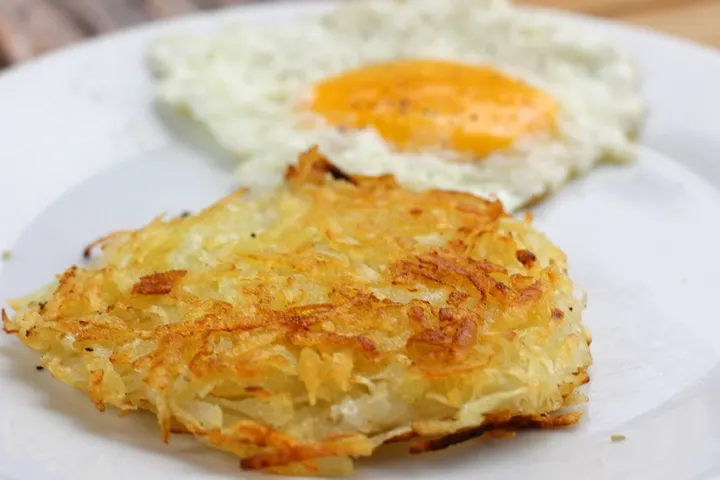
[244, 85]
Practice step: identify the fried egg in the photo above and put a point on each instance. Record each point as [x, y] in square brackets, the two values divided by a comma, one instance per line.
[478, 96]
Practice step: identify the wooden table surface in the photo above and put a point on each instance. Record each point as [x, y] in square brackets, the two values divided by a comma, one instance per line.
[32, 27]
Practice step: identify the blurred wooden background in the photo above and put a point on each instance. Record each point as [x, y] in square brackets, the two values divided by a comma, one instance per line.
[32, 27]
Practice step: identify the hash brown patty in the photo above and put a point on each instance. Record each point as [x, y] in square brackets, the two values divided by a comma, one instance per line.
[304, 327]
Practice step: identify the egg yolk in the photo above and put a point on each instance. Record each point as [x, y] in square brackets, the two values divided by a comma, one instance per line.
[421, 104]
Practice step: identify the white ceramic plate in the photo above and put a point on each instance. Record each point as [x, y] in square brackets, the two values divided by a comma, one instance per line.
[82, 152]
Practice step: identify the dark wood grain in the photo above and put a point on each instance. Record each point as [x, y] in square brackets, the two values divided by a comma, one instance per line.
[211, 4]
[167, 8]
[32, 27]
[101, 16]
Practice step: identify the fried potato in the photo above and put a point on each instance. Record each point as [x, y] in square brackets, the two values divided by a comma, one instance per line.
[304, 327]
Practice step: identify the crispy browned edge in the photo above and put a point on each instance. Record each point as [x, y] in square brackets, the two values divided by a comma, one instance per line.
[498, 423]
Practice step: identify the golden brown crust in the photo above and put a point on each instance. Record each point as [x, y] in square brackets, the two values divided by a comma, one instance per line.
[423, 446]
[159, 283]
[526, 257]
[302, 328]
